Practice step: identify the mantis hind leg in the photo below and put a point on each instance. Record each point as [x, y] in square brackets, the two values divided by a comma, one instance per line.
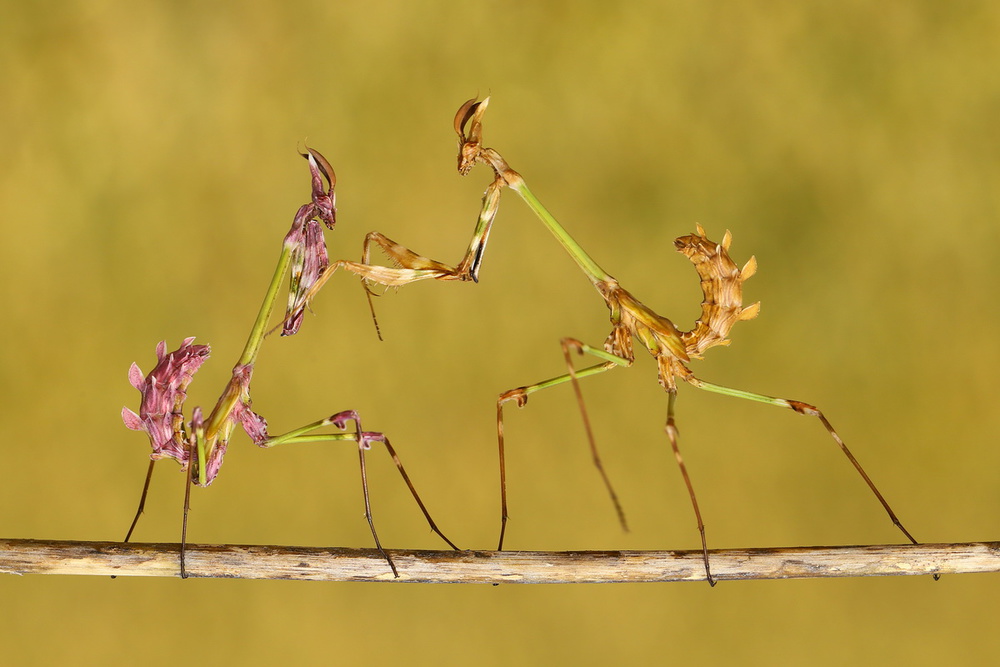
[811, 410]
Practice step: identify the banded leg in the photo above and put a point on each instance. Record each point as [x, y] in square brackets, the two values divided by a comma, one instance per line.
[364, 440]
[810, 410]
[409, 266]
[520, 397]
[672, 434]
[142, 500]
[142, 504]
[670, 428]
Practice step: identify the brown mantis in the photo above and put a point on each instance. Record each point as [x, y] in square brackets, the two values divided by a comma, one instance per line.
[721, 281]
[200, 444]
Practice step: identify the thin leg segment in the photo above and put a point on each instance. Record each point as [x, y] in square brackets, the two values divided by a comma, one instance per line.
[362, 447]
[807, 409]
[142, 504]
[520, 396]
[142, 500]
[568, 346]
[184, 521]
[672, 433]
[363, 439]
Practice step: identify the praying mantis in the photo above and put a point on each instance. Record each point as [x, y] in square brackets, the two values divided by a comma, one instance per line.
[200, 444]
[721, 281]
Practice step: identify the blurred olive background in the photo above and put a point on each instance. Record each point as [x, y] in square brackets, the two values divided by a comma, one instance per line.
[150, 171]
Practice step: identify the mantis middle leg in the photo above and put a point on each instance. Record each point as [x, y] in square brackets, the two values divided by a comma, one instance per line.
[520, 396]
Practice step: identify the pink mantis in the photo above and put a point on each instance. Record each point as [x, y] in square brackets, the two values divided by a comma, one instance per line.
[200, 444]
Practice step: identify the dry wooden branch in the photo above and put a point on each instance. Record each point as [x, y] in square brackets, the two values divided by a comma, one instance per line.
[491, 567]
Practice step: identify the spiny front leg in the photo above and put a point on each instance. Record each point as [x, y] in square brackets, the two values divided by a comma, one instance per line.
[382, 275]
[410, 267]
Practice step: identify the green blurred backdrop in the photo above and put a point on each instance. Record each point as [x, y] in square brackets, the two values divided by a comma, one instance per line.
[149, 172]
